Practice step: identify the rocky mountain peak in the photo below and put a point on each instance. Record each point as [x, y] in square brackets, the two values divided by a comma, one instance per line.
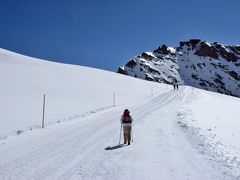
[162, 50]
[198, 63]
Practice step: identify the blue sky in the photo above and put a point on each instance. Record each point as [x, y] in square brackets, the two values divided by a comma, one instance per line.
[107, 33]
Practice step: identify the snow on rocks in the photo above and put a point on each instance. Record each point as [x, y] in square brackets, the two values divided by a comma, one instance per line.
[197, 63]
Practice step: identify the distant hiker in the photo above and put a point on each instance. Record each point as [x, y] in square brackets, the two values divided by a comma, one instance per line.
[174, 86]
[126, 121]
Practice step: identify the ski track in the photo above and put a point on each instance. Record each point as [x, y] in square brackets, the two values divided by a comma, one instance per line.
[76, 150]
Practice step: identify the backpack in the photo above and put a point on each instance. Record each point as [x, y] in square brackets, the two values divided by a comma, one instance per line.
[127, 119]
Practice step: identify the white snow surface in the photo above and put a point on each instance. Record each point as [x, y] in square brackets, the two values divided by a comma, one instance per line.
[71, 91]
[185, 134]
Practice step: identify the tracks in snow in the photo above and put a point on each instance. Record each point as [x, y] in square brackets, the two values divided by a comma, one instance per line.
[77, 151]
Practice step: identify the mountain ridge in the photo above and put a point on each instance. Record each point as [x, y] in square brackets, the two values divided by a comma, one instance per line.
[196, 62]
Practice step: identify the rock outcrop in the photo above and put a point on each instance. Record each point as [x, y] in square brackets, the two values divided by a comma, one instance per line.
[197, 63]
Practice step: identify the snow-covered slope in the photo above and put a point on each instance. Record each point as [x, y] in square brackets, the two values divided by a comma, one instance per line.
[168, 143]
[185, 134]
[71, 91]
[211, 123]
[197, 63]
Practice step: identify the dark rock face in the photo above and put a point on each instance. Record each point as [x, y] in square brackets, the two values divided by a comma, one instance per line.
[219, 81]
[226, 54]
[154, 71]
[213, 67]
[207, 51]
[131, 64]
[162, 50]
[234, 75]
[229, 56]
[122, 71]
[194, 42]
[147, 56]
[218, 76]
[182, 43]
[237, 48]
[237, 64]
[148, 78]
[195, 76]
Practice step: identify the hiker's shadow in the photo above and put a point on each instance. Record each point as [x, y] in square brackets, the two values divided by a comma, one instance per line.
[114, 147]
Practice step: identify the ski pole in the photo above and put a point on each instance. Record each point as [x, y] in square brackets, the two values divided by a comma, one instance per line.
[120, 134]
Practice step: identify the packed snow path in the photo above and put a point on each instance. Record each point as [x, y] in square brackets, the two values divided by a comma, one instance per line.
[87, 148]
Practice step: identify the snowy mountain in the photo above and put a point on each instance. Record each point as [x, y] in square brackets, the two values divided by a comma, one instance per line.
[197, 63]
[177, 134]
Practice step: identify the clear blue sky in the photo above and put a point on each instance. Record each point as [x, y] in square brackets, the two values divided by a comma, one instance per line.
[107, 33]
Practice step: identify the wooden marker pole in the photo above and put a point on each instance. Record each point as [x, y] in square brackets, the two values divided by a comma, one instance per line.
[43, 118]
[114, 100]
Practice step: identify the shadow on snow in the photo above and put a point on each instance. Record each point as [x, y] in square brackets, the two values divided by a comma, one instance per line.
[114, 147]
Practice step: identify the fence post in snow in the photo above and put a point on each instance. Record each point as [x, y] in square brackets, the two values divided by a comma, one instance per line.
[114, 100]
[43, 117]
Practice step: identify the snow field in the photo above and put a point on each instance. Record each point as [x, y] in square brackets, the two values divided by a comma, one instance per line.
[71, 91]
[185, 134]
[88, 148]
[211, 122]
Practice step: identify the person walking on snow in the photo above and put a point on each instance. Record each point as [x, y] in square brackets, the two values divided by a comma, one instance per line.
[126, 121]
[177, 86]
[174, 86]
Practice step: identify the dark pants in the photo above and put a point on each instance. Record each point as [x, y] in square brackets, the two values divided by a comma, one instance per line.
[127, 134]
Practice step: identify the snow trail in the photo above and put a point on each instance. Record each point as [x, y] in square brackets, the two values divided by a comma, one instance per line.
[88, 149]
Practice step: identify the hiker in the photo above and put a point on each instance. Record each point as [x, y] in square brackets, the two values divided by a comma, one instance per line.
[126, 121]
